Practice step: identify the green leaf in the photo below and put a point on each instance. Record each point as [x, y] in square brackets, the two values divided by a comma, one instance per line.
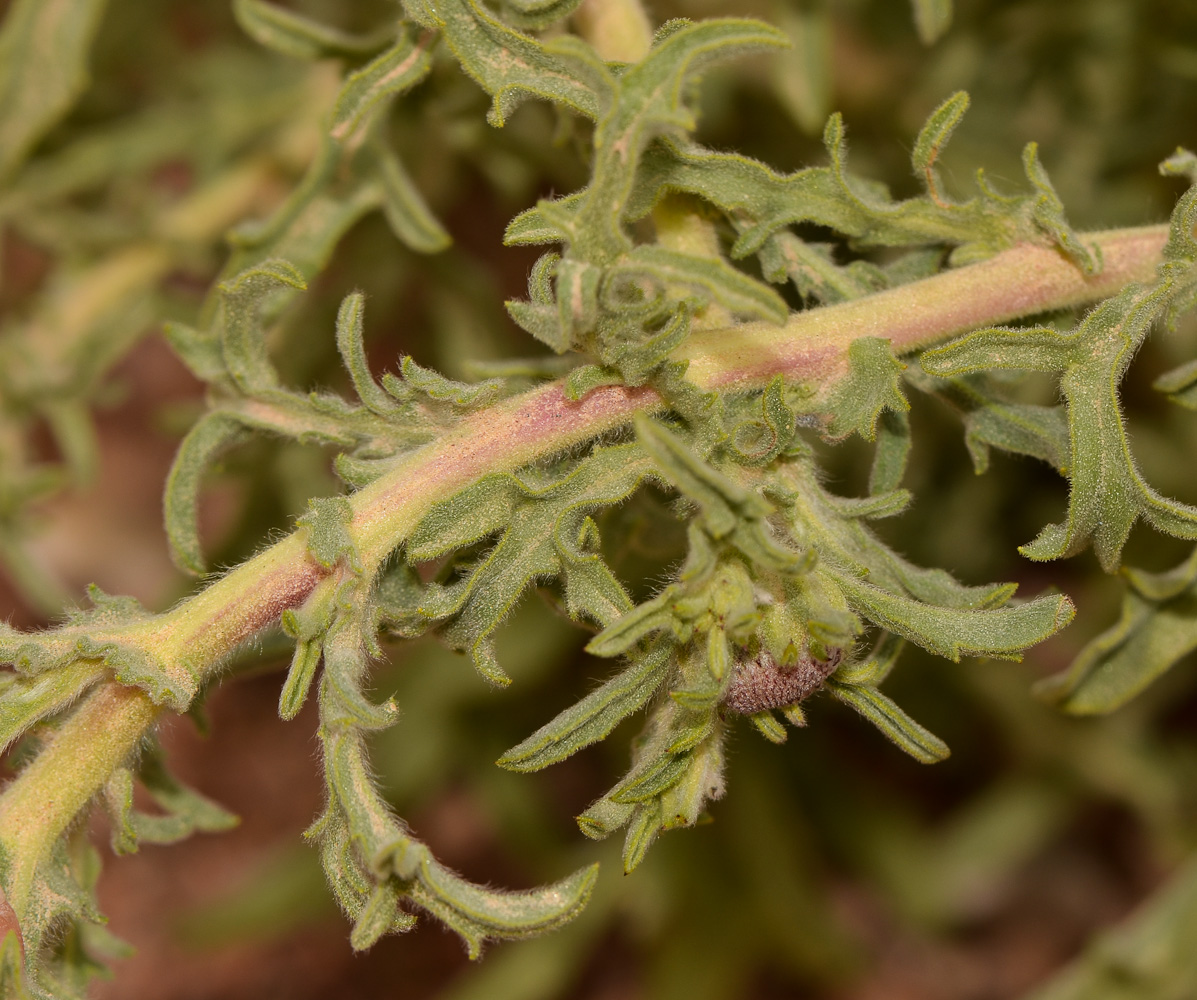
[329, 539]
[397, 69]
[1180, 384]
[200, 350]
[536, 15]
[758, 441]
[626, 631]
[892, 432]
[730, 287]
[477, 913]
[952, 633]
[418, 380]
[539, 541]
[941, 123]
[896, 725]
[871, 672]
[340, 185]
[353, 354]
[294, 35]
[643, 828]
[26, 700]
[802, 77]
[243, 340]
[932, 18]
[1157, 628]
[760, 202]
[1148, 955]
[723, 501]
[767, 725]
[380, 916]
[649, 102]
[814, 272]
[1048, 214]
[650, 779]
[184, 811]
[44, 47]
[595, 716]
[1106, 492]
[213, 434]
[991, 421]
[405, 209]
[511, 66]
[300, 675]
[873, 385]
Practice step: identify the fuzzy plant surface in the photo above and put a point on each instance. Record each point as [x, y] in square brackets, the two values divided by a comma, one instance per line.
[705, 333]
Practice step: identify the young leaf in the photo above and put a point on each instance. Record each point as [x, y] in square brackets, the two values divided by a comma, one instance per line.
[404, 207]
[478, 914]
[243, 340]
[1106, 492]
[329, 540]
[593, 718]
[511, 66]
[896, 725]
[294, 35]
[213, 434]
[872, 386]
[953, 633]
[535, 544]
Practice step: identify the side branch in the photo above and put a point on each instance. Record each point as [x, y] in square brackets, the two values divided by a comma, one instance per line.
[812, 346]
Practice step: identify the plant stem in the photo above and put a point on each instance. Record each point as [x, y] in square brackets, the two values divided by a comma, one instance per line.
[75, 764]
[812, 346]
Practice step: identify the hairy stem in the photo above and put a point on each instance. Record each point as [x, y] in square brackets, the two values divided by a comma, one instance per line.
[812, 346]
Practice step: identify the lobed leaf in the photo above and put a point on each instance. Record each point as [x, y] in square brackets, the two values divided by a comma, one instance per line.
[872, 386]
[511, 66]
[1106, 492]
[535, 544]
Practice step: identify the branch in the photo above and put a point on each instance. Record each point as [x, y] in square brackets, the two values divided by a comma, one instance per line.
[198, 635]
